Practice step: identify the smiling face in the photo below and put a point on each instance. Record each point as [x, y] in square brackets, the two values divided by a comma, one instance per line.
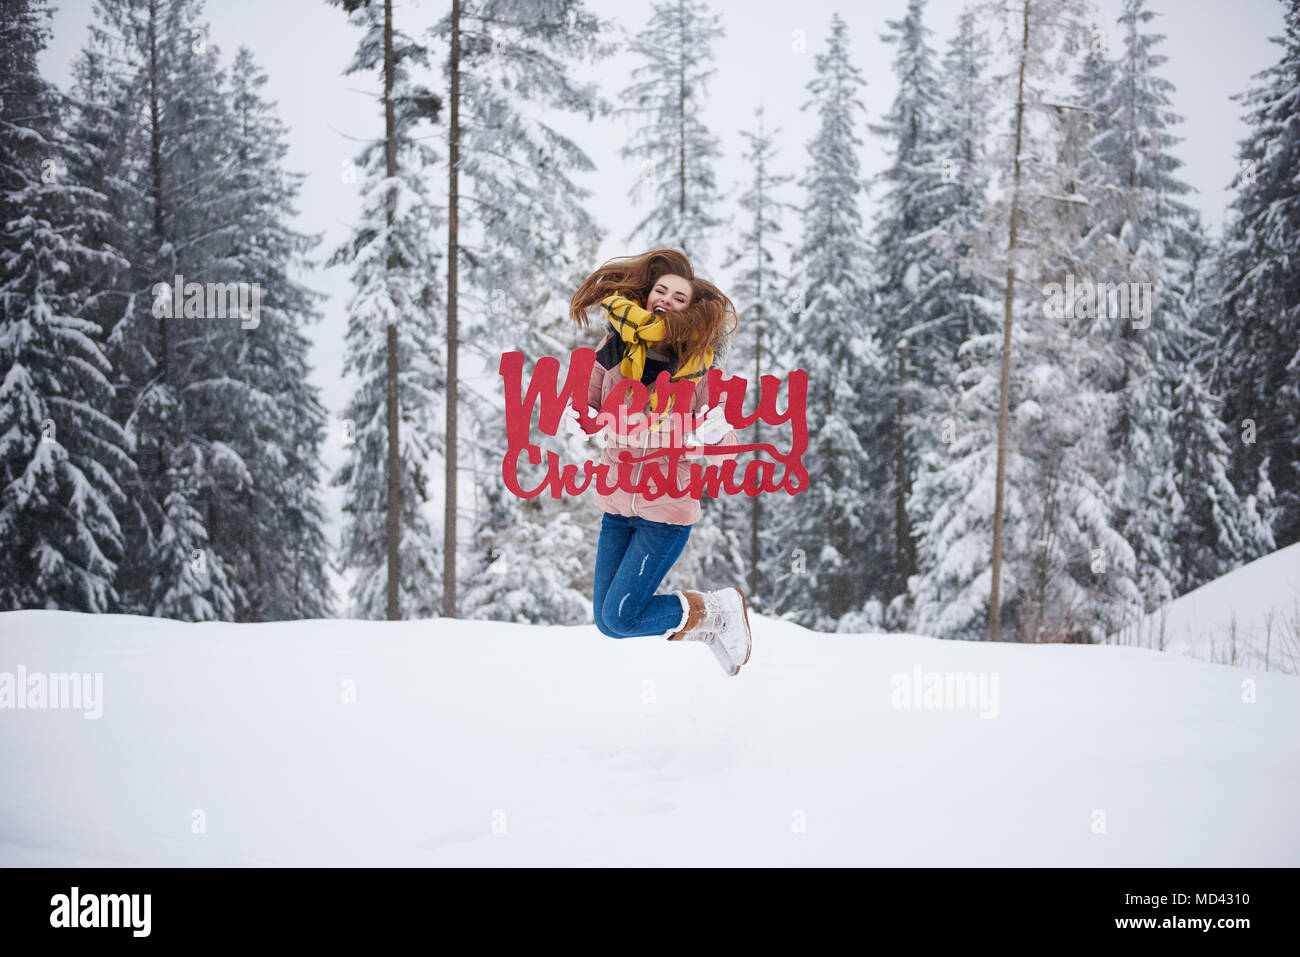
[670, 293]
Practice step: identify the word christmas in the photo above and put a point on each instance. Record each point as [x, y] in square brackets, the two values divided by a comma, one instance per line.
[658, 477]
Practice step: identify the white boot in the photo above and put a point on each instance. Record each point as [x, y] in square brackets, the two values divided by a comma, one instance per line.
[698, 624]
[730, 667]
[726, 615]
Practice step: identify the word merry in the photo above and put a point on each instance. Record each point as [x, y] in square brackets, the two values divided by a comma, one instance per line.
[1107, 300]
[210, 300]
[658, 477]
[102, 910]
[60, 690]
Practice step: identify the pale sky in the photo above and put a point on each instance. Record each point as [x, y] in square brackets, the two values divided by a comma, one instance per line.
[1213, 46]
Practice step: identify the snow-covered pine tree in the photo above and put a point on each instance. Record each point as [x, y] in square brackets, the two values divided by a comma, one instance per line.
[1077, 575]
[1208, 539]
[395, 278]
[764, 349]
[61, 457]
[100, 123]
[521, 259]
[827, 554]
[1183, 517]
[1096, 576]
[1259, 515]
[915, 201]
[944, 465]
[152, 117]
[962, 151]
[1259, 298]
[516, 60]
[1023, 530]
[217, 372]
[1199, 357]
[1066, 571]
[1142, 233]
[271, 529]
[913, 317]
[674, 151]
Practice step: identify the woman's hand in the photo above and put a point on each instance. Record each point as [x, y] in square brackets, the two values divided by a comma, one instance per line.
[573, 425]
[635, 439]
[576, 439]
[709, 429]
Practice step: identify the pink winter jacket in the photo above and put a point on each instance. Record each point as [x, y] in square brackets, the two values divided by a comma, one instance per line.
[674, 511]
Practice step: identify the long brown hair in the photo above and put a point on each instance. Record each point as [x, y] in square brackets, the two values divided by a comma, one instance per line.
[691, 331]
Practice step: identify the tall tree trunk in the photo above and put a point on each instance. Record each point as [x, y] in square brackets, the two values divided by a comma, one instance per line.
[162, 487]
[453, 161]
[681, 129]
[904, 557]
[755, 507]
[995, 597]
[394, 530]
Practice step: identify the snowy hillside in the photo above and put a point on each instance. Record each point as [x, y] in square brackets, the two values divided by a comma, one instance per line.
[473, 743]
[1249, 617]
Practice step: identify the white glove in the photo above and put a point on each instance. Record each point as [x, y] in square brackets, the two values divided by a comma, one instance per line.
[576, 439]
[709, 430]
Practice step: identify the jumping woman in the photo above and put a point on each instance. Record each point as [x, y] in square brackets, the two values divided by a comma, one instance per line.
[659, 316]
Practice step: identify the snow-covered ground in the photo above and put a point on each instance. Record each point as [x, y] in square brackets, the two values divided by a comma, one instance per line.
[1248, 617]
[483, 743]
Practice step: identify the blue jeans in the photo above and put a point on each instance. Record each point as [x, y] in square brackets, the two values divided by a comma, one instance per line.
[632, 558]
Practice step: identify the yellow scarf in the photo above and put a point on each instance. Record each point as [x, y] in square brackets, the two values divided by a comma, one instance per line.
[640, 330]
